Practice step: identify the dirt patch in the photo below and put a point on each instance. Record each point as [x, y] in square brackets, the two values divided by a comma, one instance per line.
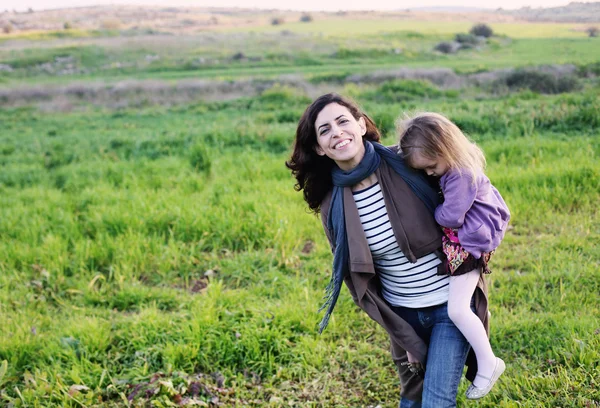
[199, 286]
[308, 247]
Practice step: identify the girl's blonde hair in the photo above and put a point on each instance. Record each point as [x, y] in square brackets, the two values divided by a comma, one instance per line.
[435, 136]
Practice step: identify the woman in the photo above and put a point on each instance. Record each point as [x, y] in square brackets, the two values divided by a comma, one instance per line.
[377, 215]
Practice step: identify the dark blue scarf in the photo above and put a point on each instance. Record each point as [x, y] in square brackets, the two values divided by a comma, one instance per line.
[336, 223]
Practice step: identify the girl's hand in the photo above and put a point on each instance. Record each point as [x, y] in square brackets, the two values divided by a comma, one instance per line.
[414, 365]
[412, 359]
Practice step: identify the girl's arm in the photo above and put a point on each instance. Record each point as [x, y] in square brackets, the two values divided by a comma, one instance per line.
[459, 195]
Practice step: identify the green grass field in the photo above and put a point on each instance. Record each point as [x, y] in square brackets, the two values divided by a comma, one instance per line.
[159, 255]
[321, 47]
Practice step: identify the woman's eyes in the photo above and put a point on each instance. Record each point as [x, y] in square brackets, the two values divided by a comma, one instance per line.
[325, 130]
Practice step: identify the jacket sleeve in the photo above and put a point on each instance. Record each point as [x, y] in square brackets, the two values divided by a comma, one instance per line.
[459, 195]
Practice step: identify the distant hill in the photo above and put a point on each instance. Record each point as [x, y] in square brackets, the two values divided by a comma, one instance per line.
[574, 12]
[451, 9]
[139, 20]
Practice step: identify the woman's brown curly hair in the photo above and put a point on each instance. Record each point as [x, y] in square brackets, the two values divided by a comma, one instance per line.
[313, 172]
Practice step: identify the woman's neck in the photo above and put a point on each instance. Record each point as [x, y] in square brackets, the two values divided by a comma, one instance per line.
[348, 165]
[365, 183]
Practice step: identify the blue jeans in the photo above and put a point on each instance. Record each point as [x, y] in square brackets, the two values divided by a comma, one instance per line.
[446, 355]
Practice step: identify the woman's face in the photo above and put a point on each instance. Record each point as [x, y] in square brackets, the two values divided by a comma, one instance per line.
[339, 136]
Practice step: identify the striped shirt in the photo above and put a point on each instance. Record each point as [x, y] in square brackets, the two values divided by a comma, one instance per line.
[403, 283]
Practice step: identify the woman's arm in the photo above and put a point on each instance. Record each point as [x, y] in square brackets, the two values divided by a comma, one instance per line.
[459, 195]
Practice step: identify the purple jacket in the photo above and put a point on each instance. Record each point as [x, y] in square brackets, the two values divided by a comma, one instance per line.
[477, 210]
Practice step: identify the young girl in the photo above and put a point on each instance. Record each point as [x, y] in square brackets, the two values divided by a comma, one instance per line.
[474, 218]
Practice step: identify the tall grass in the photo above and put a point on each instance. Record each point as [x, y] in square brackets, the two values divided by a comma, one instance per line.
[129, 277]
[155, 253]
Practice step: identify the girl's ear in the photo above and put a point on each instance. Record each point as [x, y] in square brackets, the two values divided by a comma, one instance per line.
[363, 126]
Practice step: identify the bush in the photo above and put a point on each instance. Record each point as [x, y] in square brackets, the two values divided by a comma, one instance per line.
[540, 82]
[200, 159]
[7, 28]
[592, 31]
[335, 77]
[306, 18]
[463, 39]
[67, 26]
[402, 91]
[281, 95]
[445, 47]
[277, 21]
[567, 84]
[589, 70]
[238, 56]
[346, 53]
[482, 30]
[466, 46]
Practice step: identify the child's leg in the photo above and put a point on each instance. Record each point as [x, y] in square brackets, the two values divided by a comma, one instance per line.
[462, 288]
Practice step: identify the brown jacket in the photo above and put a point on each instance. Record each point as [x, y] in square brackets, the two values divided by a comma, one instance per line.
[417, 234]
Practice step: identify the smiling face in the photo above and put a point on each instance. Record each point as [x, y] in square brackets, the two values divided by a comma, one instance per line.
[433, 167]
[339, 136]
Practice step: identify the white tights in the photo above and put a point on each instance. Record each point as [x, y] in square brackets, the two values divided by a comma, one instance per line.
[462, 288]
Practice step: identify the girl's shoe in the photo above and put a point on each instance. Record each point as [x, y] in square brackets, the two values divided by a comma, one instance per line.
[474, 392]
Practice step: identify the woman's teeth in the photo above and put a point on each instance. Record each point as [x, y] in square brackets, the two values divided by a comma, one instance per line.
[342, 144]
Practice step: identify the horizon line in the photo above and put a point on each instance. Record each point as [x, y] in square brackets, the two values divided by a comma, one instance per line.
[448, 8]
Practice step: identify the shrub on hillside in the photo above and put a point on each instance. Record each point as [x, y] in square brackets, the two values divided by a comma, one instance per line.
[238, 56]
[592, 31]
[464, 38]
[567, 84]
[67, 26]
[277, 21]
[335, 77]
[306, 18]
[589, 70]
[402, 90]
[445, 47]
[482, 30]
[540, 82]
[345, 53]
[282, 94]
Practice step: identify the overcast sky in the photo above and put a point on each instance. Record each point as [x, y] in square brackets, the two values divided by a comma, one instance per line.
[329, 5]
